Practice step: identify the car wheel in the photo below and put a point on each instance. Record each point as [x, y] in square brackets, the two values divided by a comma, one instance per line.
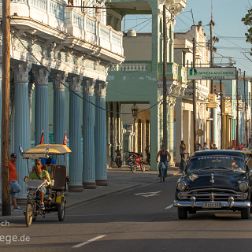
[245, 213]
[182, 213]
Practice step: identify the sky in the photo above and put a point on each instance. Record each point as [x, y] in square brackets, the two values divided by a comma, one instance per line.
[229, 28]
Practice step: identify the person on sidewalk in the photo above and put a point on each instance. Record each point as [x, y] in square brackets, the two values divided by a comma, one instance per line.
[214, 147]
[147, 152]
[198, 147]
[205, 146]
[38, 173]
[13, 181]
[182, 149]
[164, 157]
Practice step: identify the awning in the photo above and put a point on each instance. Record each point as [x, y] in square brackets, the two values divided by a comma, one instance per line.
[45, 150]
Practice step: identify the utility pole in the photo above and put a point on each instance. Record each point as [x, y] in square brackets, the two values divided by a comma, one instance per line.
[164, 78]
[237, 110]
[246, 108]
[111, 116]
[6, 210]
[194, 99]
[221, 108]
[211, 85]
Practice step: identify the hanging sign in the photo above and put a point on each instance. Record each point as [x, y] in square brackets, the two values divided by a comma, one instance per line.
[214, 73]
[212, 101]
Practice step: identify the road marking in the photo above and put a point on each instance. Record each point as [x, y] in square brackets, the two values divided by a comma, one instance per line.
[148, 194]
[169, 207]
[89, 241]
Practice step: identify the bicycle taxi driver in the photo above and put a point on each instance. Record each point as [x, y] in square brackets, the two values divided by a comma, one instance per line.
[38, 173]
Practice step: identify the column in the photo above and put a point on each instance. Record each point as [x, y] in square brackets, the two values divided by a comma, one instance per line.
[154, 135]
[144, 140]
[59, 114]
[100, 134]
[21, 120]
[111, 133]
[41, 103]
[171, 128]
[215, 125]
[179, 127]
[1, 128]
[59, 111]
[88, 135]
[75, 134]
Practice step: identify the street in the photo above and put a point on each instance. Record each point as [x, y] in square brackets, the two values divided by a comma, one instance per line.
[137, 219]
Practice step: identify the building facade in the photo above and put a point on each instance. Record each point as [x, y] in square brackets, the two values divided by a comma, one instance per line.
[183, 51]
[60, 56]
[139, 81]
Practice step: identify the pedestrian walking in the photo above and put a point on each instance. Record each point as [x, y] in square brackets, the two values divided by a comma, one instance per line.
[13, 181]
[182, 148]
[147, 151]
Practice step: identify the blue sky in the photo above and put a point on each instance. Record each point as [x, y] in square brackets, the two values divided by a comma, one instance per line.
[228, 28]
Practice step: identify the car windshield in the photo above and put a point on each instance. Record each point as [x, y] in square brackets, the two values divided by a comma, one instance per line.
[202, 163]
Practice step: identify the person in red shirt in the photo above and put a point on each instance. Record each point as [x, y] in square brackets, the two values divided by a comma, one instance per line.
[14, 186]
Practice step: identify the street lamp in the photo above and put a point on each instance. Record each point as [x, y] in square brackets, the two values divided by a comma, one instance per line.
[134, 111]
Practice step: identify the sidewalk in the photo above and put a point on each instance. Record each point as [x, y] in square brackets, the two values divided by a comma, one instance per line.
[119, 179]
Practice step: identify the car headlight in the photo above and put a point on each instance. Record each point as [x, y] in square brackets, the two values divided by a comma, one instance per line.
[243, 186]
[181, 185]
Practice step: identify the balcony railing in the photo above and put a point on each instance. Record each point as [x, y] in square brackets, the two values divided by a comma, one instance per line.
[71, 21]
[132, 67]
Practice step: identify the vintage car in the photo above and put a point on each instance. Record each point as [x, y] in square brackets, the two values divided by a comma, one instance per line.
[215, 180]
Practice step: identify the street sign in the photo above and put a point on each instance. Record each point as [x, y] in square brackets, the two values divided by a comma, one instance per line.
[212, 101]
[207, 73]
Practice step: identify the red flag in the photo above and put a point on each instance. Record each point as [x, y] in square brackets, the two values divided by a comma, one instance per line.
[65, 140]
[42, 138]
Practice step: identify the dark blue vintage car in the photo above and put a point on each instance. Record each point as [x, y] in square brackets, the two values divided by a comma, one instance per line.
[215, 180]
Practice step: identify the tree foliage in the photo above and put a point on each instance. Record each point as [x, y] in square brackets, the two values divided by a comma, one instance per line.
[247, 20]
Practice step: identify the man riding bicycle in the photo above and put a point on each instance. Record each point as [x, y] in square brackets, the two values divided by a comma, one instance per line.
[164, 158]
[38, 173]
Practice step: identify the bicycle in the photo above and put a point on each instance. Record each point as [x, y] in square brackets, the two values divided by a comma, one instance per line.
[162, 171]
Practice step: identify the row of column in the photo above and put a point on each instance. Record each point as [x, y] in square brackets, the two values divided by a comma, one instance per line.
[87, 131]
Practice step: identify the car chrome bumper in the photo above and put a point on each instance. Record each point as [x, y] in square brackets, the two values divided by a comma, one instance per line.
[203, 204]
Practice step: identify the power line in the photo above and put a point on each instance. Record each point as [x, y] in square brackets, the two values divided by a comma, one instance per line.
[138, 24]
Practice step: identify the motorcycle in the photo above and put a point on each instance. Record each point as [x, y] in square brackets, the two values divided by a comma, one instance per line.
[135, 160]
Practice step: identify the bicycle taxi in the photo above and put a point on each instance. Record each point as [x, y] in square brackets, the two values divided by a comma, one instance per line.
[54, 199]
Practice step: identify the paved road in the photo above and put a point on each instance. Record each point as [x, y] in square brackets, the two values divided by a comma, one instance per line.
[140, 218]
